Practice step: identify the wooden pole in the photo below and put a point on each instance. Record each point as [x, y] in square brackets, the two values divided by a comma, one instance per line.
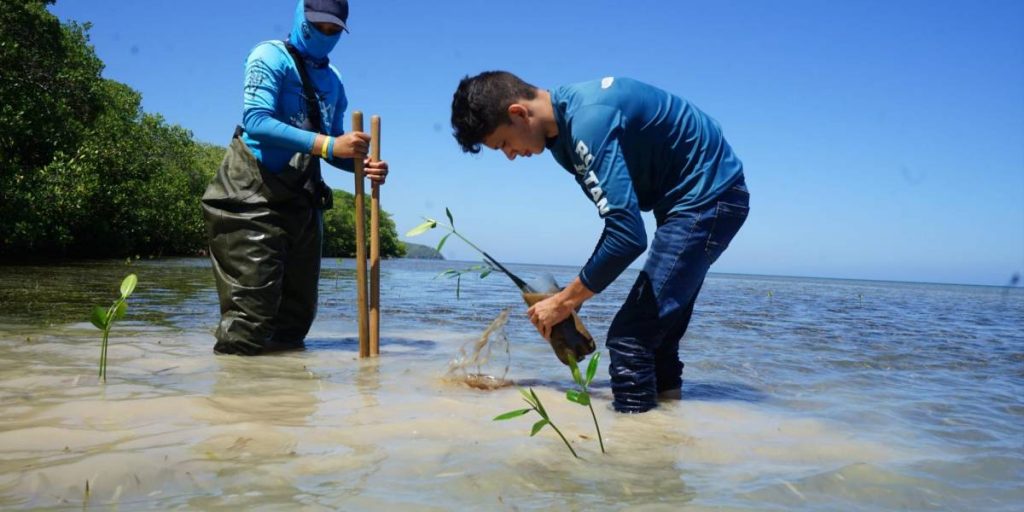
[364, 338]
[375, 242]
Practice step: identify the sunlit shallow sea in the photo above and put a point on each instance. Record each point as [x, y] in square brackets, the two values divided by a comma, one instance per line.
[799, 394]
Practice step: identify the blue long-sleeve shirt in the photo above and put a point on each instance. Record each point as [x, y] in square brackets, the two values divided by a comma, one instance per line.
[633, 147]
[274, 117]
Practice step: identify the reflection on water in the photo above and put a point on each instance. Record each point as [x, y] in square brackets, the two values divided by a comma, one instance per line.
[820, 395]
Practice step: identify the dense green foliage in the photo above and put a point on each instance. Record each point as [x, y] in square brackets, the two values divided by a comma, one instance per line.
[84, 172]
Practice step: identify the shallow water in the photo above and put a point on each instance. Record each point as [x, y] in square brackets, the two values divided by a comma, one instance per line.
[820, 395]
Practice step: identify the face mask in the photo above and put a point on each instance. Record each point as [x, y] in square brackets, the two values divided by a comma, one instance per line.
[316, 43]
[308, 40]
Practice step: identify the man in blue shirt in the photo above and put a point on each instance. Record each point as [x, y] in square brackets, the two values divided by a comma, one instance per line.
[264, 207]
[631, 147]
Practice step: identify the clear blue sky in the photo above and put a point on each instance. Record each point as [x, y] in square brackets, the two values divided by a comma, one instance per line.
[881, 140]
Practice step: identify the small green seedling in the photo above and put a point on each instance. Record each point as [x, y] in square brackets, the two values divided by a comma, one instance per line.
[427, 225]
[104, 319]
[483, 270]
[535, 405]
[582, 395]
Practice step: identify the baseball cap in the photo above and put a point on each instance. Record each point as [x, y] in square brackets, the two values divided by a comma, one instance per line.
[327, 11]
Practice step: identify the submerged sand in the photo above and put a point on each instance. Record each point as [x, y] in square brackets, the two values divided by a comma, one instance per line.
[175, 425]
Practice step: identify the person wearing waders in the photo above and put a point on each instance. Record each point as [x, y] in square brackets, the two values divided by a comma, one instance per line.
[631, 147]
[264, 207]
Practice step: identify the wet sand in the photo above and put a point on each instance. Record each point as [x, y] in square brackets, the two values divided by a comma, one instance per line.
[177, 426]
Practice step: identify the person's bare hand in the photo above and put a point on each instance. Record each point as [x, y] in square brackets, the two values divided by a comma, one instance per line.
[377, 172]
[351, 145]
[546, 314]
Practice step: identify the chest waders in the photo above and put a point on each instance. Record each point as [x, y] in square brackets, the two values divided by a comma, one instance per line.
[266, 232]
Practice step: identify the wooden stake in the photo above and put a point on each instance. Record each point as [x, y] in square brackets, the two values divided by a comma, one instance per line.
[375, 242]
[364, 338]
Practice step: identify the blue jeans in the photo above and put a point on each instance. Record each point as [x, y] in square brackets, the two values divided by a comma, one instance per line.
[643, 340]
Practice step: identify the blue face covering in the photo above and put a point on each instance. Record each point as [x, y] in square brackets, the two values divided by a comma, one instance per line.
[308, 40]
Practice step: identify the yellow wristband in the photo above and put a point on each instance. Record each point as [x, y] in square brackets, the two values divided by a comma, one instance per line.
[323, 148]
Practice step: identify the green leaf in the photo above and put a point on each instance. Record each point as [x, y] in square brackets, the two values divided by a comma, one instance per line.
[540, 406]
[448, 273]
[575, 369]
[422, 228]
[441, 243]
[592, 368]
[486, 273]
[580, 397]
[128, 285]
[99, 317]
[511, 414]
[527, 397]
[449, 214]
[120, 310]
[537, 426]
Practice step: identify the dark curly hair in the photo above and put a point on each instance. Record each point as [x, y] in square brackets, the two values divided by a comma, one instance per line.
[480, 105]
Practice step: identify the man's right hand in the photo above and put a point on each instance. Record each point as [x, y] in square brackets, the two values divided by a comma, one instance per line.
[351, 145]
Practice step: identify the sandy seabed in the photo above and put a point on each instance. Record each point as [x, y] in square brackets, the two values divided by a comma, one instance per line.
[176, 426]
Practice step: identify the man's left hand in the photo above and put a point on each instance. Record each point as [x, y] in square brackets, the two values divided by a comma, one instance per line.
[546, 314]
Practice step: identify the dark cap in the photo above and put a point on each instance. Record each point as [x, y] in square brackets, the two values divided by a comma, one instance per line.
[327, 11]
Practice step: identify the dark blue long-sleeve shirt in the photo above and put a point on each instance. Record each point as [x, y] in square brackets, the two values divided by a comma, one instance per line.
[633, 147]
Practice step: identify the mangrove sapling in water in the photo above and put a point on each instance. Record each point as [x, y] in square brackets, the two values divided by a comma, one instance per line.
[533, 400]
[569, 333]
[484, 270]
[582, 395]
[428, 224]
[104, 319]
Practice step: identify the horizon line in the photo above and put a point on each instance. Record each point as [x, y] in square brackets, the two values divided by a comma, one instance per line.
[750, 274]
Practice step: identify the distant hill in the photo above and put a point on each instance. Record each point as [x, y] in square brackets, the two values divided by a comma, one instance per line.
[421, 252]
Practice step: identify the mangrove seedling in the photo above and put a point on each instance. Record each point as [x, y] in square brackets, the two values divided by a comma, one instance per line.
[491, 263]
[104, 319]
[533, 400]
[483, 270]
[428, 224]
[570, 332]
[582, 395]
